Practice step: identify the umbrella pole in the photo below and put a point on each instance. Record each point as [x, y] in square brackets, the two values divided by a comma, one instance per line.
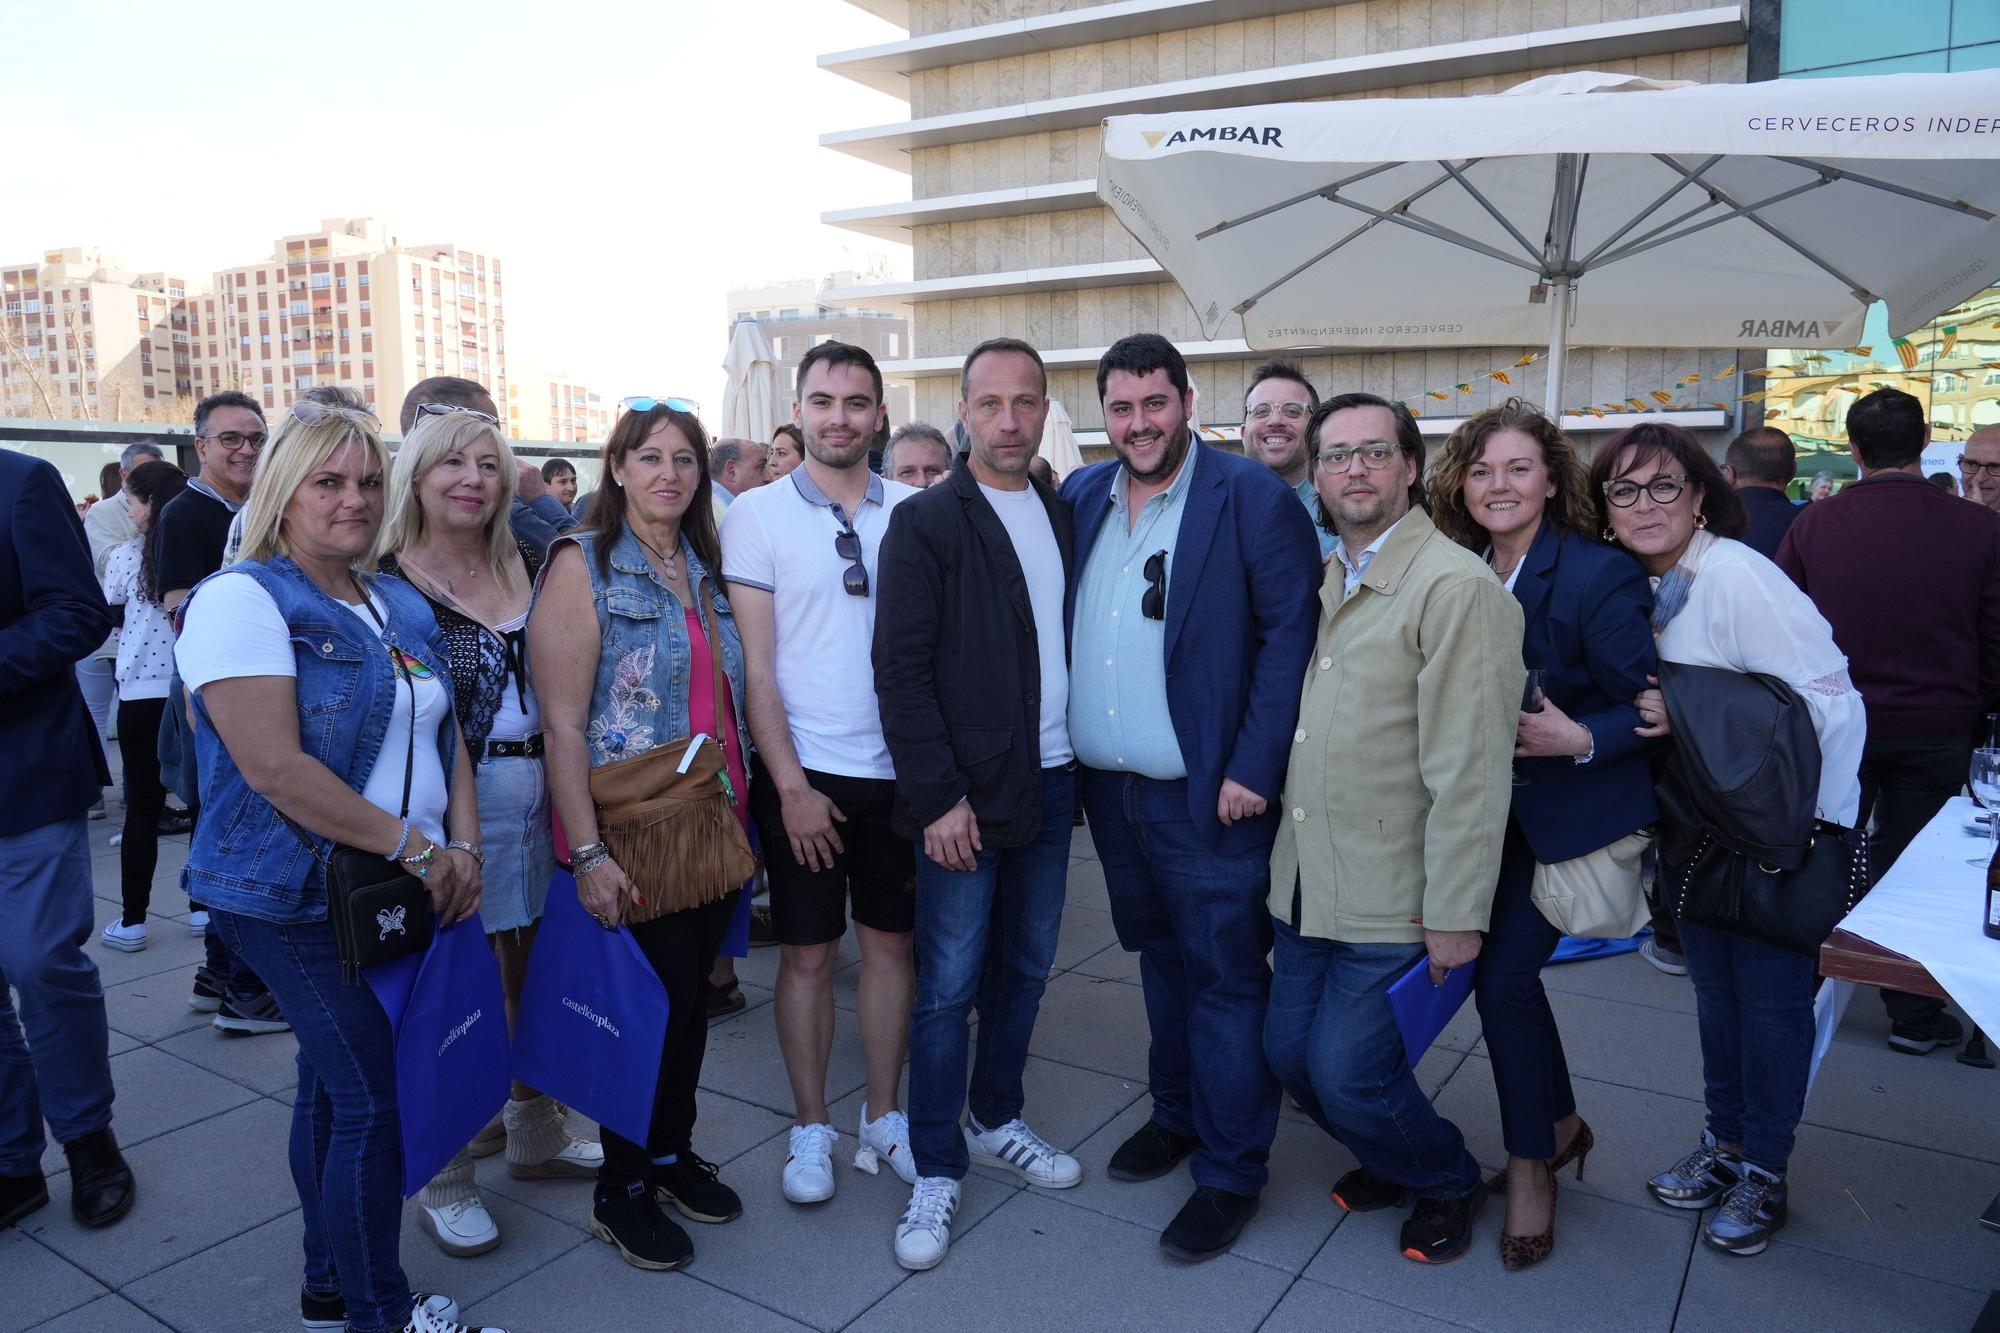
[1558, 348]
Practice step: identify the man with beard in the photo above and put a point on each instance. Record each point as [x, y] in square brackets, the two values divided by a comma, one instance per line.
[1192, 620]
[1275, 412]
[1402, 758]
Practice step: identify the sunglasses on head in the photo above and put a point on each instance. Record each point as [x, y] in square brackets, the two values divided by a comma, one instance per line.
[1153, 605]
[687, 405]
[312, 413]
[454, 409]
[847, 545]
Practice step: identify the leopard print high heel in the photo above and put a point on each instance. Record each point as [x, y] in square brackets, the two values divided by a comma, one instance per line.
[1518, 1252]
[1580, 1144]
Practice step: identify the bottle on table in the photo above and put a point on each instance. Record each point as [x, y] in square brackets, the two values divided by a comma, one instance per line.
[1992, 918]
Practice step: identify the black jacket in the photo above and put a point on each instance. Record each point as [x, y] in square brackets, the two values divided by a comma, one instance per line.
[957, 661]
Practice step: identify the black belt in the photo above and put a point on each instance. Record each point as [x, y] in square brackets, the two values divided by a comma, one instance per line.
[530, 748]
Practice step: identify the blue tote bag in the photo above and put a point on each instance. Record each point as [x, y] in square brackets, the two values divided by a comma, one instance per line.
[593, 1018]
[450, 1019]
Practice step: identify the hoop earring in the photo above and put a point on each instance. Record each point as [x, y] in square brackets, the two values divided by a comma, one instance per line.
[1609, 536]
[1700, 521]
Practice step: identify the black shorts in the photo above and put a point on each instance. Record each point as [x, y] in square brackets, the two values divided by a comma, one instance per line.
[876, 867]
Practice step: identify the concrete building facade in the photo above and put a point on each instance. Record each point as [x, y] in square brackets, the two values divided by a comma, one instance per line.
[82, 338]
[551, 405]
[1001, 144]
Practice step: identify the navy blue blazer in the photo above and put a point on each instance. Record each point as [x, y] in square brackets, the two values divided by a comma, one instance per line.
[1588, 612]
[1242, 613]
[52, 615]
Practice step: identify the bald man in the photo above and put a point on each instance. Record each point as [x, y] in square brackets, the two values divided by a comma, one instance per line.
[1979, 467]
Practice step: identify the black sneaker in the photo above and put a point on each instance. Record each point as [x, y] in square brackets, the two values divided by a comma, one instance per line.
[1151, 1152]
[20, 1196]
[1207, 1224]
[175, 822]
[691, 1186]
[1922, 1038]
[101, 1185]
[207, 996]
[626, 1216]
[1360, 1192]
[330, 1312]
[1698, 1179]
[1440, 1230]
[250, 1015]
[1753, 1209]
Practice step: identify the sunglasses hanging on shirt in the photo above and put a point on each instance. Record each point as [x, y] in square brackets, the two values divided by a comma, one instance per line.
[847, 545]
[1153, 605]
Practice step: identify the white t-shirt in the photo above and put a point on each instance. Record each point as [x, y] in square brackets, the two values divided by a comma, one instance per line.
[146, 644]
[233, 629]
[1034, 538]
[512, 721]
[780, 538]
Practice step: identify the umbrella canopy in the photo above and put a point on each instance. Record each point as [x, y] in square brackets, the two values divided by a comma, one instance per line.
[750, 399]
[1059, 440]
[1589, 208]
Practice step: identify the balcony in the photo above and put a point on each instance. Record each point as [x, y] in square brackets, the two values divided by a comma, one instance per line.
[894, 222]
[887, 67]
[1588, 44]
[1065, 277]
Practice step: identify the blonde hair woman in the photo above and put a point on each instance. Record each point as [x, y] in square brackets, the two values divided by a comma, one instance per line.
[447, 534]
[325, 693]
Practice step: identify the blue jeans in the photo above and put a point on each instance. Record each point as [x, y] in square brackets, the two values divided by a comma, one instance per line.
[1199, 923]
[347, 1147]
[984, 937]
[1753, 1005]
[1334, 1043]
[1530, 1072]
[62, 1069]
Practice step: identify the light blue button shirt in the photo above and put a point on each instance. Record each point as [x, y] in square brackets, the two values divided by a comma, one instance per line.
[1118, 717]
[1310, 499]
[1358, 567]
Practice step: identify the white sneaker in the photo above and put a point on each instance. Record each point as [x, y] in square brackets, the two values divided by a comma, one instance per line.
[461, 1229]
[887, 1138]
[197, 924]
[1014, 1147]
[126, 939]
[425, 1317]
[329, 1313]
[924, 1234]
[809, 1169]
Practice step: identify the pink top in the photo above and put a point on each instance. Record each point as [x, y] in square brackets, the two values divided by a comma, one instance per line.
[702, 710]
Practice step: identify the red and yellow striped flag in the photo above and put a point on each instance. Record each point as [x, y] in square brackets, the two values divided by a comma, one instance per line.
[1905, 352]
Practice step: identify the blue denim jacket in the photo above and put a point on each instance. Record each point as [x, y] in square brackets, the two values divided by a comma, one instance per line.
[640, 698]
[247, 860]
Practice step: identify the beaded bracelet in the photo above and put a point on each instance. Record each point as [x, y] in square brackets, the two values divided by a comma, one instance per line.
[588, 864]
[401, 843]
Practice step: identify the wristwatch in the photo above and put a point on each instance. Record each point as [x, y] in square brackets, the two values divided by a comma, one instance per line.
[461, 845]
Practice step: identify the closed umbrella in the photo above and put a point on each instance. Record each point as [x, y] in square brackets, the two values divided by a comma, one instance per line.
[1588, 208]
[1059, 440]
[750, 399]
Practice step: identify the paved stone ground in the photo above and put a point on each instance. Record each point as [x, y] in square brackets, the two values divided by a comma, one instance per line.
[1896, 1161]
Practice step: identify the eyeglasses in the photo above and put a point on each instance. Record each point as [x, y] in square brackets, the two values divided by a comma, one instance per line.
[1153, 605]
[232, 440]
[687, 405]
[1665, 489]
[456, 409]
[1972, 466]
[847, 545]
[1289, 411]
[312, 413]
[1374, 456]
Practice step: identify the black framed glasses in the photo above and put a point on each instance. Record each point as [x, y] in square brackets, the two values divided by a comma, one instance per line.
[1665, 489]
[455, 409]
[847, 545]
[1973, 467]
[232, 440]
[1153, 605]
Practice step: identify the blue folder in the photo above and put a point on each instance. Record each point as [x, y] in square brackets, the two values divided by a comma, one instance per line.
[1422, 1010]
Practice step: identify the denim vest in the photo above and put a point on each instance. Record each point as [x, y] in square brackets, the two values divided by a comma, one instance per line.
[640, 697]
[247, 860]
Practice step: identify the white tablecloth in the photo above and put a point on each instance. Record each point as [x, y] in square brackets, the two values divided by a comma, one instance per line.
[1928, 908]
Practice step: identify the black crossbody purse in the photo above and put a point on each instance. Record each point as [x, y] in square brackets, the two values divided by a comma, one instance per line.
[379, 910]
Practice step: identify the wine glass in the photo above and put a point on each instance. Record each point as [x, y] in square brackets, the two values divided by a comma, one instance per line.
[1983, 777]
[1531, 702]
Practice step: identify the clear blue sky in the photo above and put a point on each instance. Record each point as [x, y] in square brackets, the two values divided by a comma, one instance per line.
[567, 138]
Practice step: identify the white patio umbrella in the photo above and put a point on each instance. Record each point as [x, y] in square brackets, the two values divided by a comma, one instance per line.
[750, 399]
[1059, 440]
[1579, 208]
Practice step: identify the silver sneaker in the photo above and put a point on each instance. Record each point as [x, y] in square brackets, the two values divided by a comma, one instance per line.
[1698, 1179]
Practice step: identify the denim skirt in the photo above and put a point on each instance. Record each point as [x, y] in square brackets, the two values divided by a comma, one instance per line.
[514, 834]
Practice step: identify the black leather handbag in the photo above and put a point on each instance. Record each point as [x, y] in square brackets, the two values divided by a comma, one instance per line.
[379, 911]
[1734, 892]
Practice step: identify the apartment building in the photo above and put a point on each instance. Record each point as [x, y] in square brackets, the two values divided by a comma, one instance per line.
[1001, 144]
[350, 303]
[82, 338]
[551, 405]
[796, 315]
